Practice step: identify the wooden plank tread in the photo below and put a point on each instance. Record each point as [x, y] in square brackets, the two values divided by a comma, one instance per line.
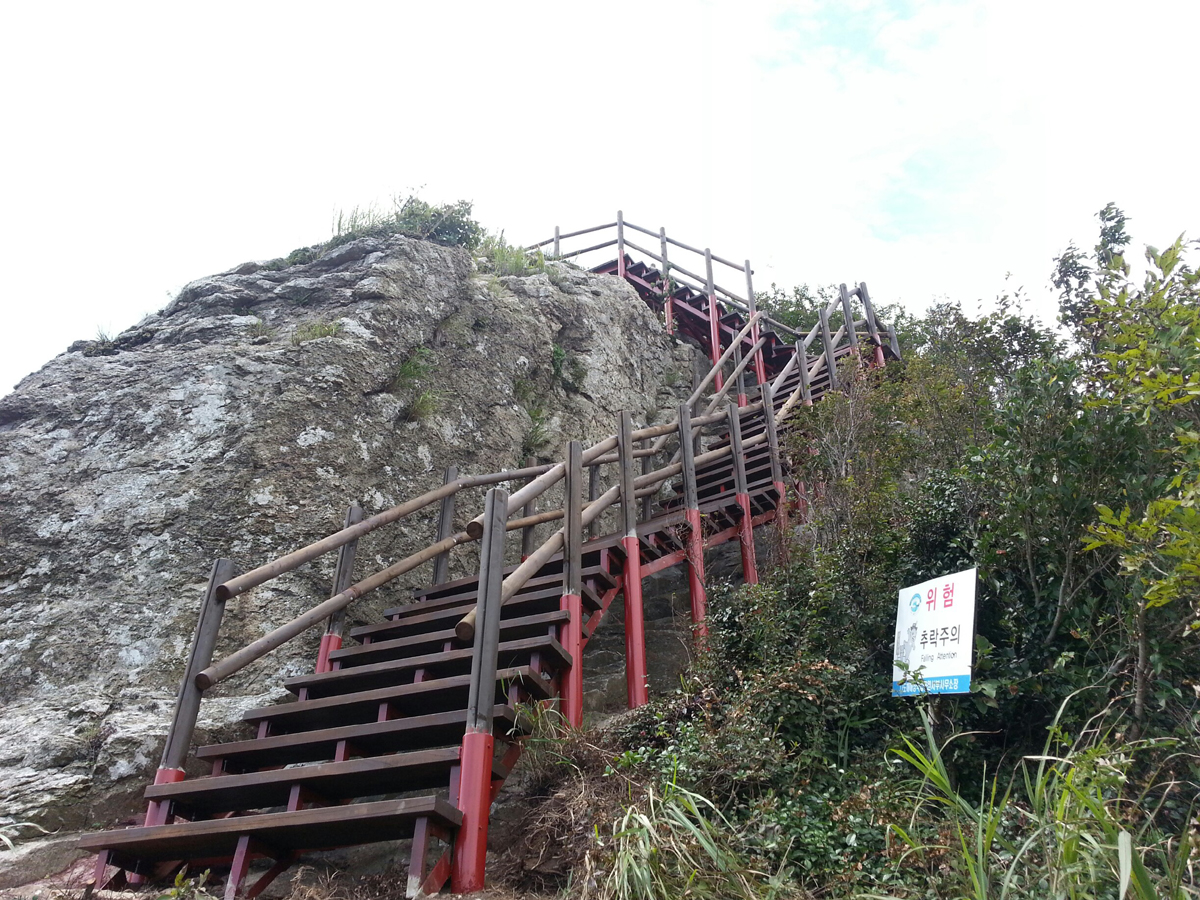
[392, 670]
[305, 829]
[370, 738]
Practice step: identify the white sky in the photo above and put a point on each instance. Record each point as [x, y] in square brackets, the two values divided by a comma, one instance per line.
[927, 148]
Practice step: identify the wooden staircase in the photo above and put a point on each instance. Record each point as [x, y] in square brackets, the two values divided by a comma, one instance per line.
[410, 730]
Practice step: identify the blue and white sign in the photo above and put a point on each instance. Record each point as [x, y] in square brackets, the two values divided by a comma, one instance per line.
[935, 633]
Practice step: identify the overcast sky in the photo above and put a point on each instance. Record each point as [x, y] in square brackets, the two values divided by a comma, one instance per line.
[927, 148]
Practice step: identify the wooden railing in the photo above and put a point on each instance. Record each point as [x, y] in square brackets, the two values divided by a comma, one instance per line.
[622, 449]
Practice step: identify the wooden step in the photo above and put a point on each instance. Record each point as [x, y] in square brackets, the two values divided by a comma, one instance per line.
[439, 695]
[436, 665]
[548, 574]
[442, 616]
[367, 739]
[332, 782]
[429, 642]
[306, 829]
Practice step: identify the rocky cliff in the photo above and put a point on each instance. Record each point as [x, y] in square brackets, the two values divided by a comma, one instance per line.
[241, 421]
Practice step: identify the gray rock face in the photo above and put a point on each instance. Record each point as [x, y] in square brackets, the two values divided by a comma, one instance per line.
[240, 422]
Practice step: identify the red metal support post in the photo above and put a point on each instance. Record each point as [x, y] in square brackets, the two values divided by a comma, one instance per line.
[475, 777]
[571, 634]
[695, 538]
[742, 495]
[637, 692]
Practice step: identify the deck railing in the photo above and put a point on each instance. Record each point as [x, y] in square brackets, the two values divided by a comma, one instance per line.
[631, 491]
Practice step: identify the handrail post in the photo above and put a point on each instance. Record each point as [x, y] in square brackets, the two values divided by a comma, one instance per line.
[620, 243]
[741, 375]
[187, 700]
[648, 500]
[441, 562]
[475, 779]
[695, 538]
[893, 340]
[805, 387]
[768, 401]
[343, 577]
[714, 318]
[529, 509]
[637, 692]
[592, 493]
[571, 632]
[668, 298]
[872, 324]
[848, 313]
[557, 251]
[742, 497]
[760, 364]
[830, 358]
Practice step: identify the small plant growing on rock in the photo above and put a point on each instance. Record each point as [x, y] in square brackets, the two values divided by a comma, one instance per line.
[412, 371]
[422, 406]
[11, 831]
[260, 330]
[311, 331]
[505, 259]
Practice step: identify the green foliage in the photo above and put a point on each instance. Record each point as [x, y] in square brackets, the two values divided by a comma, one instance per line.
[184, 888]
[538, 433]
[448, 224]
[413, 371]
[423, 405]
[260, 329]
[676, 845]
[311, 331]
[503, 258]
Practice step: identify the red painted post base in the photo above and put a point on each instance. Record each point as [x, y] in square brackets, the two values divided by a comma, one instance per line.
[329, 643]
[695, 554]
[572, 680]
[157, 812]
[474, 799]
[637, 691]
[879, 361]
[746, 541]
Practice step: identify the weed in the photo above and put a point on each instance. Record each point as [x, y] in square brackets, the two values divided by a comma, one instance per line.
[422, 406]
[558, 358]
[298, 257]
[412, 371]
[260, 329]
[523, 390]
[449, 224]
[495, 286]
[506, 259]
[102, 336]
[185, 888]
[311, 331]
[538, 432]
[10, 831]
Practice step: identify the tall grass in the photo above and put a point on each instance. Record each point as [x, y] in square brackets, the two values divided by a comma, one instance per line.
[1078, 831]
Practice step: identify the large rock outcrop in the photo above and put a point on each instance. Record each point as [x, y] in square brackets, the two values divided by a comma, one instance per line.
[241, 421]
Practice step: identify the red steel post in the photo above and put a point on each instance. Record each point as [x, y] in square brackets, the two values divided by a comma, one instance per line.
[475, 774]
[474, 799]
[572, 631]
[571, 638]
